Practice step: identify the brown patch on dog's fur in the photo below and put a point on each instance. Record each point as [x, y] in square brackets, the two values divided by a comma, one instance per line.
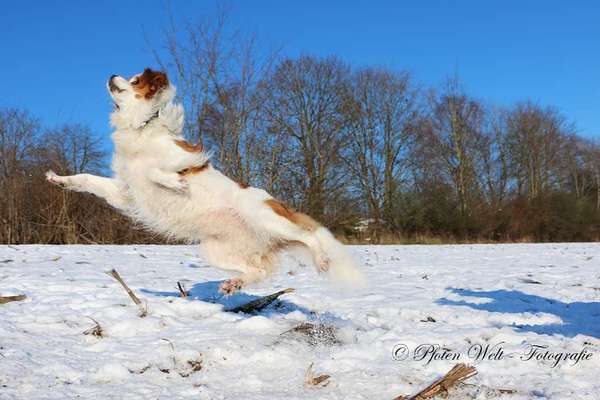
[243, 185]
[191, 148]
[193, 170]
[302, 220]
[149, 83]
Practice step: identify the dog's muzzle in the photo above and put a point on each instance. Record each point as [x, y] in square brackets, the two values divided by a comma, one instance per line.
[111, 85]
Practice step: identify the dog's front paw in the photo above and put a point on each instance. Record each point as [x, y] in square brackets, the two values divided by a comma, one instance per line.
[55, 179]
[175, 183]
[65, 182]
[181, 186]
[231, 286]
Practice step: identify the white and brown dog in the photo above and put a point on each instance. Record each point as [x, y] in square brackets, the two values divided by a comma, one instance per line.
[169, 186]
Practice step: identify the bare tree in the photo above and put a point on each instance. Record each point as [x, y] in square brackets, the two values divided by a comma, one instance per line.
[592, 157]
[493, 172]
[73, 149]
[305, 104]
[451, 137]
[383, 108]
[218, 72]
[19, 134]
[31, 211]
[536, 136]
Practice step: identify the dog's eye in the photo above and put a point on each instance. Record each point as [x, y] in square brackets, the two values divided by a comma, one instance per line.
[135, 81]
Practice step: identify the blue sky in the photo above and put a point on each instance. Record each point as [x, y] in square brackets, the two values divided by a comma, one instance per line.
[57, 55]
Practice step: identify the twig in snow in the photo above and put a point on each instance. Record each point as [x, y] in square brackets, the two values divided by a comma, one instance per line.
[143, 310]
[173, 358]
[459, 373]
[312, 379]
[182, 292]
[185, 370]
[260, 303]
[95, 330]
[8, 299]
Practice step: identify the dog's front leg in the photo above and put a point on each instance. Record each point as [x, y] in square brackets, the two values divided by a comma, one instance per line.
[109, 189]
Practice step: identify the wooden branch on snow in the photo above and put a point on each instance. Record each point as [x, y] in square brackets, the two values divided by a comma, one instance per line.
[260, 303]
[458, 374]
[8, 299]
[113, 272]
[95, 330]
[311, 378]
[182, 292]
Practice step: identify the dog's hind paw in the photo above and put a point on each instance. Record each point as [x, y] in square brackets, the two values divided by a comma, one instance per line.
[231, 286]
[322, 263]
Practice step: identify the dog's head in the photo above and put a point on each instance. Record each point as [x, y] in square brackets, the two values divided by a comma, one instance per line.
[138, 98]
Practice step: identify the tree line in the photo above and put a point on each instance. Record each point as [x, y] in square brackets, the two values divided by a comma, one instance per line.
[365, 150]
[33, 211]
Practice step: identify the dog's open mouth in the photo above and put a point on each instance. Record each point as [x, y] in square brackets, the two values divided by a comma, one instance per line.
[114, 88]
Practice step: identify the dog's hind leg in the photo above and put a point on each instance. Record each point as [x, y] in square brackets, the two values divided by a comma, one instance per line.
[295, 227]
[254, 266]
[230, 286]
[328, 254]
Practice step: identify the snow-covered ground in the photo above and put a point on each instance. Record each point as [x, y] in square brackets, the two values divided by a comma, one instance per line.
[511, 297]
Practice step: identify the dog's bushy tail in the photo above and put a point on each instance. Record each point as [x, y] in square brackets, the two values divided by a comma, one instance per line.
[342, 268]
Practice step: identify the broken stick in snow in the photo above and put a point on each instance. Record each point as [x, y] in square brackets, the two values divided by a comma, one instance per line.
[113, 272]
[95, 330]
[459, 373]
[311, 378]
[260, 303]
[182, 292]
[8, 299]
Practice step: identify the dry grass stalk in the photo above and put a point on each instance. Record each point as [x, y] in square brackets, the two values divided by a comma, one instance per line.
[95, 330]
[311, 378]
[459, 373]
[8, 299]
[185, 370]
[143, 311]
[260, 303]
[182, 292]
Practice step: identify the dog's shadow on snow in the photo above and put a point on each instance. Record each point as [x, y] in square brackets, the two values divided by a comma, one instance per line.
[577, 317]
[209, 292]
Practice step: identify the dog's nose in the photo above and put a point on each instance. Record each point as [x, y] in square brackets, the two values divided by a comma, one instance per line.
[111, 85]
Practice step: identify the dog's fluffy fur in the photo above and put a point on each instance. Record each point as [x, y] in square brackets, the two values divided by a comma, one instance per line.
[170, 187]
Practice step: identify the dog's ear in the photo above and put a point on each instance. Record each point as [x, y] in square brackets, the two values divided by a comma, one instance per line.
[152, 82]
[159, 81]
